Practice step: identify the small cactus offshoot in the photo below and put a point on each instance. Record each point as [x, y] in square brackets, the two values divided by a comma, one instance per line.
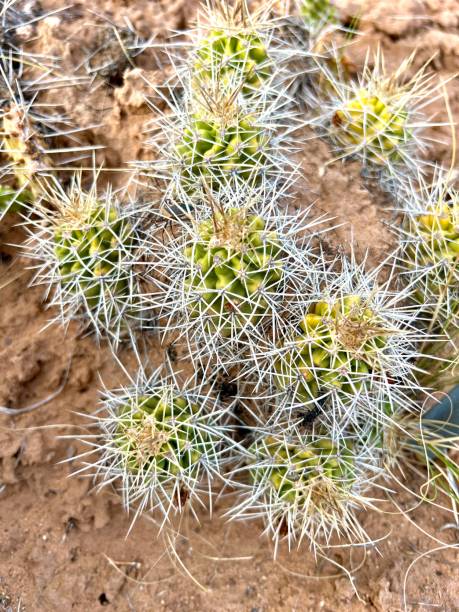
[160, 445]
[368, 122]
[378, 117]
[305, 486]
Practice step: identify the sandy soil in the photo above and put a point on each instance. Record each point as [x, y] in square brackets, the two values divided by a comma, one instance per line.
[62, 547]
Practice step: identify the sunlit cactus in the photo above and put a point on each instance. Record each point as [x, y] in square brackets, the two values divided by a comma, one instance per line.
[431, 248]
[233, 57]
[91, 252]
[339, 346]
[306, 487]
[161, 446]
[370, 122]
[220, 147]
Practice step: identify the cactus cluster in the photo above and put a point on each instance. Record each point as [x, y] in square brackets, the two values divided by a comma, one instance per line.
[322, 356]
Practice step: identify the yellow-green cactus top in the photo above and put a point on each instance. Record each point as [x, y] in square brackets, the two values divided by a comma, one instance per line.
[299, 472]
[438, 229]
[157, 434]
[371, 125]
[214, 149]
[89, 247]
[233, 59]
[340, 345]
[235, 270]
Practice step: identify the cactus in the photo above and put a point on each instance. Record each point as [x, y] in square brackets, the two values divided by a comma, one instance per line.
[161, 444]
[378, 117]
[230, 271]
[217, 148]
[306, 486]
[89, 251]
[345, 354]
[432, 256]
[317, 13]
[234, 266]
[12, 201]
[233, 58]
[339, 347]
[23, 145]
[367, 122]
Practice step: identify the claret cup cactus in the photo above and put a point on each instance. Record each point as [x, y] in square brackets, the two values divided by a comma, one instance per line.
[368, 122]
[231, 58]
[218, 148]
[430, 237]
[233, 264]
[231, 269]
[378, 116]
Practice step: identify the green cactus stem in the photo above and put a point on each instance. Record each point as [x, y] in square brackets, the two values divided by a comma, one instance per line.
[369, 124]
[215, 149]
[339, 347]
[89, 247]
[157, 435]
[233, 59]
[234, 270]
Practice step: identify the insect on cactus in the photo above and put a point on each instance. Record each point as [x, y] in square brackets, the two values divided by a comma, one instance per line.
[305, 486]
[90, 252]
[160, 444]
